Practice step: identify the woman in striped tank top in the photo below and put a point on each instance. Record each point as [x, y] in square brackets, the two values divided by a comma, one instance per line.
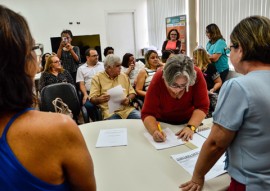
[152, 62]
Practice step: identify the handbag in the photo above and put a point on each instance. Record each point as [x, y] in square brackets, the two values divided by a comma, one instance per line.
[61, 107]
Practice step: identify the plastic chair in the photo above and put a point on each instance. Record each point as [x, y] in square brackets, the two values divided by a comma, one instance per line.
[67, 92]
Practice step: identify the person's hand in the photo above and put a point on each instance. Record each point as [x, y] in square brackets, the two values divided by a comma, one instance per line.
[212, 90]
[68, 46]
[185, 134]
[103, 98]
[131, 67]
[85, 97]
[159, 136]
[125, 101]
[195, 184]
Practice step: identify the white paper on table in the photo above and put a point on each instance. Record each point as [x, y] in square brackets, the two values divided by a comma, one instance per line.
[188, 160]
[116, 97]
[112, 137]
[205, 133]
[171, 140]
[197, 140]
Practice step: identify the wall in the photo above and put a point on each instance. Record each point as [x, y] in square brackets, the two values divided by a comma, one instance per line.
[48, 18]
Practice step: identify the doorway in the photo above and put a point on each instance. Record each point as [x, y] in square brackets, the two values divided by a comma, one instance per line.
[121, 32]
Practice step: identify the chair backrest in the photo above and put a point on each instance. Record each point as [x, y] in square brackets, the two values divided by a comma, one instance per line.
[66, 91]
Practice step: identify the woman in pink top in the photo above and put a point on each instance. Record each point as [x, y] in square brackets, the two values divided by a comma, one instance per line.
[172, 43]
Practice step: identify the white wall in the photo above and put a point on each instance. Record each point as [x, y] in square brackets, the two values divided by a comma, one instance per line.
[48, 18]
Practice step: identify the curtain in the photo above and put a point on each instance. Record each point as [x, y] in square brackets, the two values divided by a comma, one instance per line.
[158, 11]
[226, 14]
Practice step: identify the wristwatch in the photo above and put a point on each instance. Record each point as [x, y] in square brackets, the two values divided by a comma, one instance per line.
[192, 127]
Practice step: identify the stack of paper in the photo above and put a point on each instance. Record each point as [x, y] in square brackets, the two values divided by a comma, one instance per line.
[188, 160]
[112, 137]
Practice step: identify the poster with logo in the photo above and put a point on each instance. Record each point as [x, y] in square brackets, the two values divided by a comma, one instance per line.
[178, 23]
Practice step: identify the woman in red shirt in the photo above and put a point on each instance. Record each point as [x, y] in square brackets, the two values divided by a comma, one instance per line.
[177, 95]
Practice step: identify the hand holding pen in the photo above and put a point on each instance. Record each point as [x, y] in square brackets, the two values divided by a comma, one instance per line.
[159, 135]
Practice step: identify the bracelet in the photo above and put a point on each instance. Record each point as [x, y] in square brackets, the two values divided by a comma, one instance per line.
[192, 127]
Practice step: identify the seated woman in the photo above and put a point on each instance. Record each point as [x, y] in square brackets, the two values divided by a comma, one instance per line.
[176, 95]
[145, 75]
[131, 68]
[211, 76]
[54, 73]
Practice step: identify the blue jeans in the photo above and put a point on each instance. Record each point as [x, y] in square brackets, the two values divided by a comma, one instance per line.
[134, 114]
[92, 110]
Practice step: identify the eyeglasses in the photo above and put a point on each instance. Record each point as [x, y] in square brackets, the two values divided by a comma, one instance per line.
[57, 61]
[177, 86]
[38, 48]
[232, 46]
[173, 34]
[95, 55]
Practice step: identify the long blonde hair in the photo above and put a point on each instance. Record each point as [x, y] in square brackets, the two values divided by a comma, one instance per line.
[48, 65]
[202, 58]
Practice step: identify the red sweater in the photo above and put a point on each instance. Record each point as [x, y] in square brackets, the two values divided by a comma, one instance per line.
[159, 104]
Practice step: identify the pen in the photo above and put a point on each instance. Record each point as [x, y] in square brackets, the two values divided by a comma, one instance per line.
[159, 128]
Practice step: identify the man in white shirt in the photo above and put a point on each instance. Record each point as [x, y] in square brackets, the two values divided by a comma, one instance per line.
[85, 74]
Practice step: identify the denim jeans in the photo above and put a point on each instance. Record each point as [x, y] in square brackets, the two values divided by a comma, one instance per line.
[134, 114]
[91, 110]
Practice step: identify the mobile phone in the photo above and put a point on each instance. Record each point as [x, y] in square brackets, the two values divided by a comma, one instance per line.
[64, 39]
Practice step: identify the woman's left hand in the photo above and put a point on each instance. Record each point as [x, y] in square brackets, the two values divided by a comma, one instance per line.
[185, 134]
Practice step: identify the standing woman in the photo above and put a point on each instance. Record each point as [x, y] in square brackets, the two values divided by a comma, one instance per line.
[172, 43]
[37, 149]
[241, 119]
[216, 47]
[70, 55]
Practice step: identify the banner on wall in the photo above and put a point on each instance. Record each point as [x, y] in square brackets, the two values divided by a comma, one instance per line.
[178, 23]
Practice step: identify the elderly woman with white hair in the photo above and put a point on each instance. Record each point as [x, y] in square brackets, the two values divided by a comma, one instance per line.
[108, 79]
[177, 95]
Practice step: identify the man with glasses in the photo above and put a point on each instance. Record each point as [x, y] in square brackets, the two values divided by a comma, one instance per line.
[85, 74]
[177, 95]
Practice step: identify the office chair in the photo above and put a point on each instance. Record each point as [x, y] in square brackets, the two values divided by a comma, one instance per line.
[67, 92]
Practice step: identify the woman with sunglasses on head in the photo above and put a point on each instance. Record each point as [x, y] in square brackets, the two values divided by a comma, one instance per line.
[39, 151]
[241, 119]
[172, 43]
[54, 73]
[216, 47]
[177, 95]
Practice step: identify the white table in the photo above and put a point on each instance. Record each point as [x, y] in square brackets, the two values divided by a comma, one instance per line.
[139, 166]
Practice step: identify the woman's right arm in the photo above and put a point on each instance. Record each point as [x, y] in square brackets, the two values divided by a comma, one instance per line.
[164, 46]
[140, 83]
[150, 124]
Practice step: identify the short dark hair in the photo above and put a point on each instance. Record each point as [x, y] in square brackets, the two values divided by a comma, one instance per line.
[87, 52]
[66, 31]
[125, 60]
[16, 86]
[107, 49]
[169, 34]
